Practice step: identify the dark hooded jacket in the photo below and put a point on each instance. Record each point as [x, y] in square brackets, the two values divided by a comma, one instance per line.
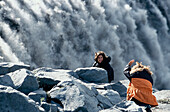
[105, 65]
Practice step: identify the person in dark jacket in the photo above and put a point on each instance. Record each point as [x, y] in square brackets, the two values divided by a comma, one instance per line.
[140, 86]
[102, 61]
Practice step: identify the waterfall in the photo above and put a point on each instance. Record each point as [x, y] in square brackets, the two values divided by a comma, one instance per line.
[6, 50]
[66, 34]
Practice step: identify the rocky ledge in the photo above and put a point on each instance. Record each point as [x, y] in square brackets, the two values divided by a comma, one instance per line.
[58, 90]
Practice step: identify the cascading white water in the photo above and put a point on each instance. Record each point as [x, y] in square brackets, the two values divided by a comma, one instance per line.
[67, 33]
[6, 50]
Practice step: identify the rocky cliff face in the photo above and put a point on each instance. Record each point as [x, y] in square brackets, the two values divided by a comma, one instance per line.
[57, 90]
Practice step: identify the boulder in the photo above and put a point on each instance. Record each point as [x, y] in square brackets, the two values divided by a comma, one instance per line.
[112, 96]
[75, 96]
[125, 106]
[106, 97]
[38, 95]
[92, 74]
[15, 101]
[6, 81]
[8, 67]
[163, 98]
[64, 91]
[110, 110]
[104, 102]
[163, 94]
[161, 108]
[129, 106]
[46, 69]
[47, 78]
[24, 81]
[120, 87]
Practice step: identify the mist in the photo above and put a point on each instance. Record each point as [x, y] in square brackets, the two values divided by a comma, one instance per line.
[66, 34]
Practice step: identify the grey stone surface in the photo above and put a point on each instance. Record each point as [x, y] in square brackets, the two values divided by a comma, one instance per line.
[75, 96]
[105, 102]
[48, 78]
[6, 81]
[161, 108]
[163, 94]
[7, 67]
[24, 81]
[110, 110]
[12, 100]
[120, 87]
[58, 71]
[92, 74]
[129, 106]
[112, 96]
[163, 98]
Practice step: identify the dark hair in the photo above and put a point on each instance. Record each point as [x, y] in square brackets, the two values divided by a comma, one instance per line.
[100, 53]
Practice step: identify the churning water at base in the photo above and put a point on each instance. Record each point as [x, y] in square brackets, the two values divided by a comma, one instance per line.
[66, 33]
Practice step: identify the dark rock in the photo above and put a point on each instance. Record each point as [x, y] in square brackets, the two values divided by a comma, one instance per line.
[38, 95]
[24, 81]
[92, 74]
[8, 67]
[49, 107]
[47, 83]
[15, 101]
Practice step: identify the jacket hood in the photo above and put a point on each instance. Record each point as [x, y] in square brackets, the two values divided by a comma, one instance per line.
[108, 59]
